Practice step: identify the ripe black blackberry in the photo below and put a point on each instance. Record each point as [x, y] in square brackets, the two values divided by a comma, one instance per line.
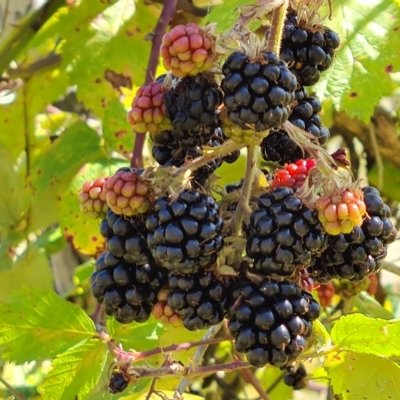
[200, 299]
[307, 50]
[283, 233]
[295, 376]
[192, 106]
[126, 238]
[185, 233]
[118, 383]
[257, 93]
[305, 116]
[271, 321]
[126, 290]
[280, 148]
[358, 254]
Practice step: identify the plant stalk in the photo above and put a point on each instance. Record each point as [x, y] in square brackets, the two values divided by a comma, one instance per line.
[277, 24]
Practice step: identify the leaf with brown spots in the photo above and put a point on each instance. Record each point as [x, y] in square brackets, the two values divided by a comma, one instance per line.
[369, 52]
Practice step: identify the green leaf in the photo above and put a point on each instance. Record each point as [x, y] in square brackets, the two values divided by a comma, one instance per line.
[368, 306]
[138, 336]
[111, 53]
[30, 269]
[78, 145]
[364, 376]
[359, 76]
[118, 134]
[226, 13]
[356, 332]
[319, 339]
[75, 372]
[42, 324]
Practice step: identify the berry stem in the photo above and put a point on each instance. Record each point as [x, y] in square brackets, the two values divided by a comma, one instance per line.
[167, 13]
[277, 24]
[228, 147]
[141, 355]
[243, 208]
[177, 369]
[198, 358]
[14, 392]
[391, 267]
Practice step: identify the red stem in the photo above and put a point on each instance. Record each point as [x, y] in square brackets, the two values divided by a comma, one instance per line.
[167, 13]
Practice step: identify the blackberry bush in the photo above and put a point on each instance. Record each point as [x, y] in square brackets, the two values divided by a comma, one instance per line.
[271, 321]
[257, 93]
[185, 233]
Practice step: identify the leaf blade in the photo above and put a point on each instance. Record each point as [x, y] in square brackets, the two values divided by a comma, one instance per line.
[29, 320]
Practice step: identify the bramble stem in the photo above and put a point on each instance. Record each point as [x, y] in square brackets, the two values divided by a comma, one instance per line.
[14, 392]
[277, 24]
[167, 13]
[141, 355]
[220, 151]
[243, 207]
[198, 358]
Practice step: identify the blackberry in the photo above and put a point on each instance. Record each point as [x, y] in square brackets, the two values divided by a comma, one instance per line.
[126, 238]
[271, 321]
[308, 51]
[283, 233]
[200, 299]
[257, 93]
[185, 233]
[280, 148]
[305, 116]
[127, 290]
[118, 383]
[192, 107]
[295, 376]
[358, 254]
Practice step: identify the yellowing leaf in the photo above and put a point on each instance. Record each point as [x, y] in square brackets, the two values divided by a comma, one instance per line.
[364, 377]
[359, 333]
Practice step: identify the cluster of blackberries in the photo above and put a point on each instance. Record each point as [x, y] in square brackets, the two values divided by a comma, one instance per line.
[192, 107]
[127, 279]
[355, 255]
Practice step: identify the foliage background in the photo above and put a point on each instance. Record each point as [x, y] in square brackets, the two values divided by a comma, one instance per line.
[69, 71]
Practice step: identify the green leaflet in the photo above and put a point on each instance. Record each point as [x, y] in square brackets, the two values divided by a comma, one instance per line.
[137, 336]
[38, 324]
[356, 332]
[364, 376]
[75, 372]
[359, 76]
[30, 269]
